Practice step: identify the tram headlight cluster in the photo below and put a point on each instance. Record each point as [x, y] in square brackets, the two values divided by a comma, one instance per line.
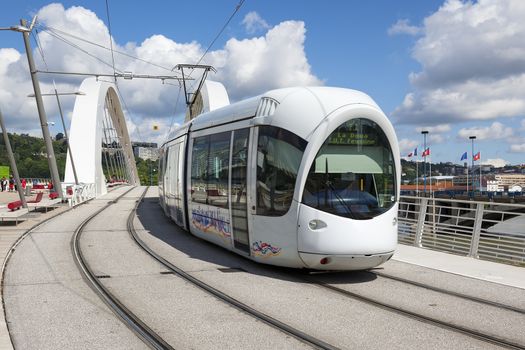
[316, 224]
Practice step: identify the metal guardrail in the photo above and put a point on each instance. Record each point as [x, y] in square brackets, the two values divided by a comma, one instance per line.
[483, 230]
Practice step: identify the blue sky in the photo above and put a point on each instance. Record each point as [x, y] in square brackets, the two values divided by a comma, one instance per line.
[452, 67]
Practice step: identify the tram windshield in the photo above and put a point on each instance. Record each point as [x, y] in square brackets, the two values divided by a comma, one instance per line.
[353, 174]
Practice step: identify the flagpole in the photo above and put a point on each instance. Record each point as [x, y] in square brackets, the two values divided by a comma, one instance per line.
[467, 179]
[430, 178]
[472, 138]
[479, 172]
[424, 132]
[417, 180]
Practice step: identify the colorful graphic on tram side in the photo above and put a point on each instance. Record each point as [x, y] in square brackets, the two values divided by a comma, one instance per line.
[260, 248]
[211, 221]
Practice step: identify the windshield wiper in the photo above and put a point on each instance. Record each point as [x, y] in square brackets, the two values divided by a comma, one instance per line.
[328, 183]
[341, 200]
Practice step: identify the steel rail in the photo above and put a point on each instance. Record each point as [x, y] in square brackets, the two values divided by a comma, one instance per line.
[430, 320]
[449, 292]
[146, 334]
[287, 329]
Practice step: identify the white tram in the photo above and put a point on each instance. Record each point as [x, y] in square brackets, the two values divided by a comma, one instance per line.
[303, 177]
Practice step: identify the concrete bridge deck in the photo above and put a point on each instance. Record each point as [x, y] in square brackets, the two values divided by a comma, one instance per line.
[416, 259]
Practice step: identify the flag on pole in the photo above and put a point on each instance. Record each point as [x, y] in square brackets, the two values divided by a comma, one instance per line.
[410, 154]
[476, 156]
[464, 156]
[415, 151]
[426, 152]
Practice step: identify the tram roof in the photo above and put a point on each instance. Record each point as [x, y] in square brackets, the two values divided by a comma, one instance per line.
[299, 109]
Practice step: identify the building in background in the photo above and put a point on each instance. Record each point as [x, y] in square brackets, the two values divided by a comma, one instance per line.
[145, 150]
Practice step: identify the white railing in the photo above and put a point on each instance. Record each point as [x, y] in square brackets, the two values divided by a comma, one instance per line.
[484, 230]
[76, 194]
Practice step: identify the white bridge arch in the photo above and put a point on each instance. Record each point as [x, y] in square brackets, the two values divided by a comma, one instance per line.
[96, 114]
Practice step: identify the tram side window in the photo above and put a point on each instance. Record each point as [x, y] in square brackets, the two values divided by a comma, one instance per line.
[219, 169]
[199, 169]
[210, 169]
[279, 154]
[174, 165]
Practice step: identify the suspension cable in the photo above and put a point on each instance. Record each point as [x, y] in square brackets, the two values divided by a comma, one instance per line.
[110, 40]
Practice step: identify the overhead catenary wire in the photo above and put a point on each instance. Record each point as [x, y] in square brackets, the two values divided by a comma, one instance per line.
[163, 78]
[46, 28]
[59, 37]
[237, 8]
[174, 114]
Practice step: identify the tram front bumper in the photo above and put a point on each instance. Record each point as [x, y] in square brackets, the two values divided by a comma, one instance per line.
[344, 262]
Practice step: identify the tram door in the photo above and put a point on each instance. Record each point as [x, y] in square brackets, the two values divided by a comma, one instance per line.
[239, 188]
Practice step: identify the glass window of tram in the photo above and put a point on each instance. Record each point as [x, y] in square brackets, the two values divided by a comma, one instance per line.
[210, 169]
[353, 174]
[279, 154]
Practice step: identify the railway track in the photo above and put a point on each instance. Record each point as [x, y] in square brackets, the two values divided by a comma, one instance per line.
[146, 334]
[143, 331]
[155, 341]
[287, 329]
[452, 293]
[423, 318]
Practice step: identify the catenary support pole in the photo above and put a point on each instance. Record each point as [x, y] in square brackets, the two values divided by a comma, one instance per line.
[42, 114]
[67, 138]
[12, 161]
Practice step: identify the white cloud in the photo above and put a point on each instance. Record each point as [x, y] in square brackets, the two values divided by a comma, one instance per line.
[492, 132]
[402, 26]
[406, 146]
[436, 138]
[246, 67]
[520, 148]
[435, 129]
[497, 162]
[254, 23]
[473, 65]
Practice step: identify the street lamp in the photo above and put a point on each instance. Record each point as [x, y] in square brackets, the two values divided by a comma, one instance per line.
[424, 132]
[472, 138]
[152, 171]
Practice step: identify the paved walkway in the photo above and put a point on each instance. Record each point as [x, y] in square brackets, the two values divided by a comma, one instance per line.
[513, 276]
[9, 233]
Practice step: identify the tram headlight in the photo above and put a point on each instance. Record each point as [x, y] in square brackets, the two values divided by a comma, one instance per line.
[316, 224]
